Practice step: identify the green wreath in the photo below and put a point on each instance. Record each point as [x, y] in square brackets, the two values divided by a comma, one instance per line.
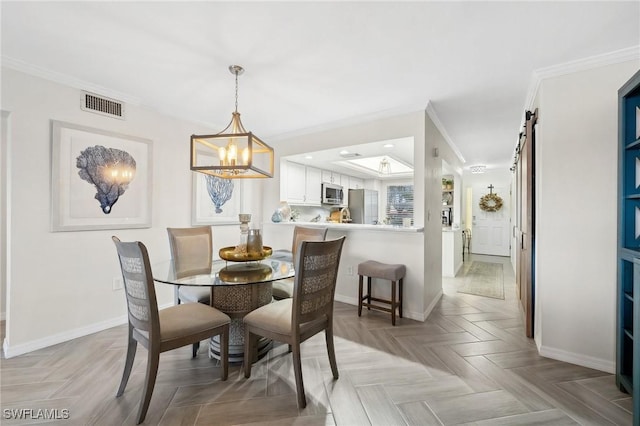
[490, 203]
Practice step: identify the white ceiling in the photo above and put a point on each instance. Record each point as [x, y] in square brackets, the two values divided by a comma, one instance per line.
[313, 65]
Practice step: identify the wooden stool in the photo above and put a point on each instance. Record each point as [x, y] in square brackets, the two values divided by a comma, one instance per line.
[393, 273]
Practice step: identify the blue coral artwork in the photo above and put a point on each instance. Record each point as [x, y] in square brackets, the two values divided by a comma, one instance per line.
[99, 179]
[220, 191]
[110, 170]
[215, 201]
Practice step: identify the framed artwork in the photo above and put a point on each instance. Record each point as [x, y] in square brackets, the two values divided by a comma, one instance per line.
[99, 179]
[215, 201]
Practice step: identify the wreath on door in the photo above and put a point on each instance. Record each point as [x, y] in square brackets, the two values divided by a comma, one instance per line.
[490, 202]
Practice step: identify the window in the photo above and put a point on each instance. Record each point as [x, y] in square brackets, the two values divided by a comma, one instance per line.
[399, 203]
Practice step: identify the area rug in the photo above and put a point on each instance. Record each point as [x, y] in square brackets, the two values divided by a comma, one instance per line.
[484, 279]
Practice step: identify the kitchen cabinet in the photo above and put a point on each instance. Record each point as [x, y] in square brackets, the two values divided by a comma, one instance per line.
[313, 186]
[355, 183]
[300, 185]
[334, 178]
[451, 252]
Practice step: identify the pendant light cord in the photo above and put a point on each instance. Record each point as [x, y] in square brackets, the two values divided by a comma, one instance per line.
[236, 73]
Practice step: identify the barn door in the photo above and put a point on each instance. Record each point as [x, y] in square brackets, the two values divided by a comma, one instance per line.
[525, 230]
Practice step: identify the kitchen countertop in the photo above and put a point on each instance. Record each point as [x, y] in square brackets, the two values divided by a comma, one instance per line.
[353, 226]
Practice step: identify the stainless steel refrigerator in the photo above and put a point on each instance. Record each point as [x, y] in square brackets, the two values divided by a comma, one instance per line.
[363, 206]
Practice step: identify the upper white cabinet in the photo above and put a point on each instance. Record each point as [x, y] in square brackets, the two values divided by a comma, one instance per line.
[294, 183]
[333, 177]
[313, 185]
[300, 184]
[355, 183]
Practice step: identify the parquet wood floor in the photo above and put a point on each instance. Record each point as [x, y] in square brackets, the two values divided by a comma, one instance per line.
[469, 363]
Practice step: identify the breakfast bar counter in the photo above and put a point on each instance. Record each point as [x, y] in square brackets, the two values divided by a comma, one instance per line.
[353, 226]
[382, 243]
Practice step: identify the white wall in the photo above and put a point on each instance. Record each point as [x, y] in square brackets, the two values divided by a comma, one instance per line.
[60, 284]
[5, 217]
[576, 215]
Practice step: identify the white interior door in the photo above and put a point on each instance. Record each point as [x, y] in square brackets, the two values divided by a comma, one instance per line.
[490, 230]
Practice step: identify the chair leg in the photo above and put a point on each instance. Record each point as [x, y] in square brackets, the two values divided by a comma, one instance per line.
[150, 381]
[224, 352]
[297, 369]
[194, 350]
[128, 364]
[248, 352]
[400, 296]
[328, 334]
[393, 303]
[360, 295]
[369, 293]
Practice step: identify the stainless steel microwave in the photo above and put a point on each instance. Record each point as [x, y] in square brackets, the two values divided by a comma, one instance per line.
[332, 194]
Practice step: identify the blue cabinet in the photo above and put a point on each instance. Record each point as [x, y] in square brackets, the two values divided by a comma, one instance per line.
[628, 290]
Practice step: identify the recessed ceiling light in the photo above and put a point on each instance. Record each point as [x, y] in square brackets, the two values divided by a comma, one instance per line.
[308, 157]
[344, 152]
[388, 145]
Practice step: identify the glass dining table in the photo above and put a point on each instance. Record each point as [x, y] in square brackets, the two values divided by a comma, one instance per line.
[237, 288]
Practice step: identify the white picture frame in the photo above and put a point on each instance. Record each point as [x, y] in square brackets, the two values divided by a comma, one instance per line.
[203, 210]
[81, 204]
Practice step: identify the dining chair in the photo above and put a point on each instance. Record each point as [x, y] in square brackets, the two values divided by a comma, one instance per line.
[283, 289]
[309, 311]
[192, 252]
[161, 330]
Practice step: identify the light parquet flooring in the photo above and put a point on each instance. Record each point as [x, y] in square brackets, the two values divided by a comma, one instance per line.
[469, 363]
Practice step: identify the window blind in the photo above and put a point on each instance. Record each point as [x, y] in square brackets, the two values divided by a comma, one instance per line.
[399, 203]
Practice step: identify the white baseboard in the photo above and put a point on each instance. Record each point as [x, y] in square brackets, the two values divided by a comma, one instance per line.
[34, 345]
[432, 305]
[578, 359]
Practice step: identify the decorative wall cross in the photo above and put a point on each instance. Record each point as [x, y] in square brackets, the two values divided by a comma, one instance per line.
[490, 188]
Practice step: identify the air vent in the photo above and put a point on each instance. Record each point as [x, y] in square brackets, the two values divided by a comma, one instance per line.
[350, 155]
[101, 105]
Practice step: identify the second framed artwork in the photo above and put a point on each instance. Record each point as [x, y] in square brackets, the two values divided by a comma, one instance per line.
[215, 201]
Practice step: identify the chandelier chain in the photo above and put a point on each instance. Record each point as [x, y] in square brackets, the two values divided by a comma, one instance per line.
[236, 73]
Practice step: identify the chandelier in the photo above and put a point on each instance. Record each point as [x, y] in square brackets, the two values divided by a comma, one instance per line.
[385, 167]
[233, 153]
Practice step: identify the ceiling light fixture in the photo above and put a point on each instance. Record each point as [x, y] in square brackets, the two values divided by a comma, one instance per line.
[478, 169]
[385, 167]
[233, 153]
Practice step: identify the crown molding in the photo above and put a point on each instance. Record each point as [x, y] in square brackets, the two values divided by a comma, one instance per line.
[351, 121]
[431, 112]
[610, 58]
[67, 80]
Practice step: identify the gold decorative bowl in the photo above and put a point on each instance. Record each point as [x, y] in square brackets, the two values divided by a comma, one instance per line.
[232, 255]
